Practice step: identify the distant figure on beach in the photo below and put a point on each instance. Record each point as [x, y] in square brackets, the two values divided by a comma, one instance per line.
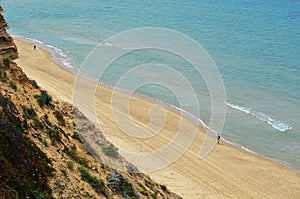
[218, 138]
[34, 47]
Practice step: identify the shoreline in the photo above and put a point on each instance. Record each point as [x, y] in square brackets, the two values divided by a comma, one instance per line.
[43, 84]
[73, 69]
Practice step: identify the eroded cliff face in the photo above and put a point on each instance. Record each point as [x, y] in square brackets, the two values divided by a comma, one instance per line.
[8, 48]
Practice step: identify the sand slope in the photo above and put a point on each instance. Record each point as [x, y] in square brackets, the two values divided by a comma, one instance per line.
[227, 172]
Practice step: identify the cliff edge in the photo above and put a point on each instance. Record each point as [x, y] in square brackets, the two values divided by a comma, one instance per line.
[8, 48]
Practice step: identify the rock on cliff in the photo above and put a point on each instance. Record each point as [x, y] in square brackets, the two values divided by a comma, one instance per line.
[7, 46]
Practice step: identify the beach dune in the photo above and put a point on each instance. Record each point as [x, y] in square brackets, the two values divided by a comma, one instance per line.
[227, 172]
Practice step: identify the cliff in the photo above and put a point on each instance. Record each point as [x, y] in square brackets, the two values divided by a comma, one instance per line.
[43, 152]
[8, 48]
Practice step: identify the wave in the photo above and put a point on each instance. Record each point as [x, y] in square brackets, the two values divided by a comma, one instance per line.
[58, 55]
[276, 124]
[81, 41]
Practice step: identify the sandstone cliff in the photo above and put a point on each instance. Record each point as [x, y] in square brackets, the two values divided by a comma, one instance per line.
[8, 48]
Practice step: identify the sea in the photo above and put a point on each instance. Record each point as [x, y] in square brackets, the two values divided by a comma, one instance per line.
[254, 44]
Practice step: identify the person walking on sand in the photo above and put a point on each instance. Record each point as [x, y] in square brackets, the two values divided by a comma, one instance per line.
[218, 138]
[34, 47]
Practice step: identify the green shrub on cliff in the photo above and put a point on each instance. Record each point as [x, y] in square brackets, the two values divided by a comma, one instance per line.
[110, 150]
[44, 99]
[6, 62]
[60, 118]
[121, 185]
[97, 184]
[73, 154]
[34, 84]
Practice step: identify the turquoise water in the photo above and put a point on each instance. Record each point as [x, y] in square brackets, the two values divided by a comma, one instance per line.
[255, 45]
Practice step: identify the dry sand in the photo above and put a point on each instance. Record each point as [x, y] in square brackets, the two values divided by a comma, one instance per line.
[227, 172]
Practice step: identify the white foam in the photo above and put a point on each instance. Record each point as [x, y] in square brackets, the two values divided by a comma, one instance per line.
[68, 64]
[276, 124]
[58, 55]
[34, 40]
[248, 150]
[198, 120]
[81, 41]
[107, 44]
[241, 108]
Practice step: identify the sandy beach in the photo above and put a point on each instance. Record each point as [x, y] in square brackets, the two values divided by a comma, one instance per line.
[227, 172]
